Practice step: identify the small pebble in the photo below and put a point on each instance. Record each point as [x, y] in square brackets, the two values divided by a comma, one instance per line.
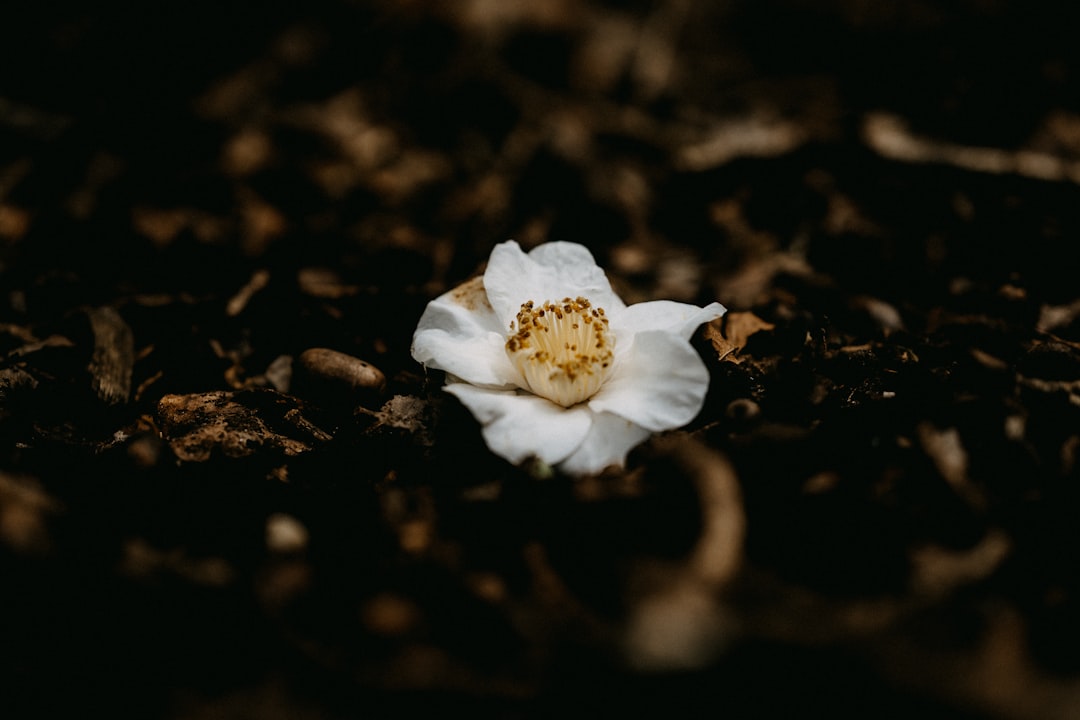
[285, 534]
[332, 377]
[339, 366]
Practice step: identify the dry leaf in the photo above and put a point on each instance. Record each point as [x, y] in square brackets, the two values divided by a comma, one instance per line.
[730, 333]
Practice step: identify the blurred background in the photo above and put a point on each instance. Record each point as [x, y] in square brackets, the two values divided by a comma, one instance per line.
[885, 195]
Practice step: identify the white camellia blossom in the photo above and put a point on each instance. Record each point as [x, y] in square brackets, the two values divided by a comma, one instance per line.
[555, 366]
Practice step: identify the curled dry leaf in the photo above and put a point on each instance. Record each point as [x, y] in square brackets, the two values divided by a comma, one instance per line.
[730, 333]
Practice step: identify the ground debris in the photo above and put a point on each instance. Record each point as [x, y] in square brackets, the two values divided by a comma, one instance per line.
[235, 424]
[219, 459]
[730, 333]
[405, 414]
[25, 509]
[114, 355]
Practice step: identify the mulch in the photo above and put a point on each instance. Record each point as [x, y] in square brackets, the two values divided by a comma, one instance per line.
[226, 489]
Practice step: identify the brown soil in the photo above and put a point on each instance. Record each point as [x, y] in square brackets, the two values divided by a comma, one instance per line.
[873, 515]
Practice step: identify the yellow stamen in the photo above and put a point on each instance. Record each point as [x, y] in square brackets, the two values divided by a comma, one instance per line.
[564, 350]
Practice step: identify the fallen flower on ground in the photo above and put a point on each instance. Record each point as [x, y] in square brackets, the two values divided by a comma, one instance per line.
[554, 365]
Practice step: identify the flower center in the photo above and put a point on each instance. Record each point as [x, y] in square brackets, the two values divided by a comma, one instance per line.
[564, 350]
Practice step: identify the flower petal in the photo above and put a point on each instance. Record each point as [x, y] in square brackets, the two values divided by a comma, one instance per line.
[552, 271]
[517, 426]
[679, 318]
[609, 440]
[574, 265]
[460, 333]
[659, 382]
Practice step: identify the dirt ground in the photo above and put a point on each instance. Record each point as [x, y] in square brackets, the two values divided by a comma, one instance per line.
[874, 514]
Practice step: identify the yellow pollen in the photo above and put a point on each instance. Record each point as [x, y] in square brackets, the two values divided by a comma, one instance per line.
[563, 350]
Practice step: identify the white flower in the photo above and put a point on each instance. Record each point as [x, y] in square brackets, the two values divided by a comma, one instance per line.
[555, 366]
